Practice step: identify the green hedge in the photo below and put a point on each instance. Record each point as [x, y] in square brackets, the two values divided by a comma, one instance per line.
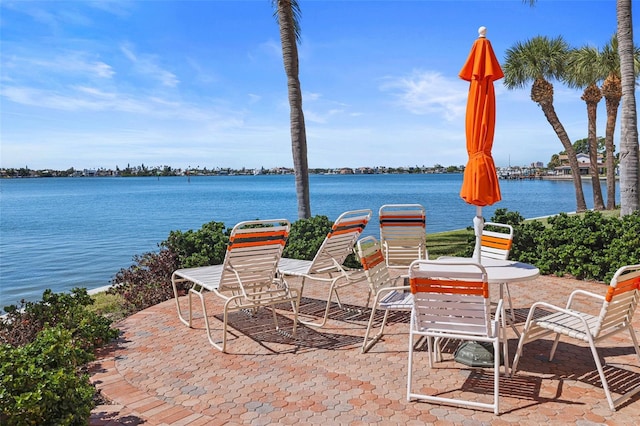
[589, 246]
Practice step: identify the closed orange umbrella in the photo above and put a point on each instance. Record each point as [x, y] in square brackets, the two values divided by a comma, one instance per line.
[480, 185]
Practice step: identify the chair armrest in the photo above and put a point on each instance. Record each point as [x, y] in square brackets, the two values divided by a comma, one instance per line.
[584, 293]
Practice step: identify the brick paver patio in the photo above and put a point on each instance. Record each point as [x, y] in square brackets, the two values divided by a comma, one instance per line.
[160, 372]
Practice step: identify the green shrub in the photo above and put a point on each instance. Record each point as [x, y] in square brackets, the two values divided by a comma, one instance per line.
[587, 246]
[22, 323]
[40, 383]
[206, 246]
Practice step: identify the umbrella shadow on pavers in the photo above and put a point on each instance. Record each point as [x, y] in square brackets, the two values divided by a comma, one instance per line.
[259, 327]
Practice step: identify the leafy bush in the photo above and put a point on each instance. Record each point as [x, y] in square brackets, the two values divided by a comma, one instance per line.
[42, 345]
[40, 383]
[589, 246]
[207, 246]
[22, 323]
[306, 237]
[148, 281]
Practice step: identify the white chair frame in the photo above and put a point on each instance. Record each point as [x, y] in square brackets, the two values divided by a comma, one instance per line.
[327, 265]
[451, 301]
[247, 279]
[391, 294]
[403, 234]
[616, 314]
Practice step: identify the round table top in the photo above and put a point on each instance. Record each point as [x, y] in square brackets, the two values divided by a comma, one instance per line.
[502, 271]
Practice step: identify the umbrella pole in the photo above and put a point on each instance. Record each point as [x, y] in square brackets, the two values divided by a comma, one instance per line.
[478, 226]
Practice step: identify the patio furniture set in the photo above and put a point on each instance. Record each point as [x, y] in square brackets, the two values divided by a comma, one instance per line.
[448, 298]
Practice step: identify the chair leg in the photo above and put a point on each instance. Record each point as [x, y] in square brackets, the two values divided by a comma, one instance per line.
[635, 340]
[519, 350]
[332, 290]
[554, 347]
[496, 375]
[366, 344]
[410, 366]
[603, 379]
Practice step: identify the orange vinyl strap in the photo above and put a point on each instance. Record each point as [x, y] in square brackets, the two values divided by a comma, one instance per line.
[429, 285]
[623, 287]
[495, 242]
[372, 260]
[258, 239]
[347, 227]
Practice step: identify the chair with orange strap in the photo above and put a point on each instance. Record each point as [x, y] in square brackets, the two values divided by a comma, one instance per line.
[391, 294]
[617, 307]
[246, 280]
[451, 301]
[495, 243]
[403, 233]
[327, 265]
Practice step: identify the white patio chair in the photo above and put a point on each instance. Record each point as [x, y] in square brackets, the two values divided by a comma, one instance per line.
[327, 265]
[391, 294]
[403, 233]
[247, 278]
[451, 301]
[617, 307]
[495, 243]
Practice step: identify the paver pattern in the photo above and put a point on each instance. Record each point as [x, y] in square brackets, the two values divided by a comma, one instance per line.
[161, 372]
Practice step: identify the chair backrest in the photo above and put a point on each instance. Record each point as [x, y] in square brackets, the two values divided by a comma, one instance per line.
[340, 240]
[451, 297]
[373, 263]
[403, 234]
[252, 256]
[621, 299]
[496, 241]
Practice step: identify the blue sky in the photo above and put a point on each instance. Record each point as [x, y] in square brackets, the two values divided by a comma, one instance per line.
[90, 84]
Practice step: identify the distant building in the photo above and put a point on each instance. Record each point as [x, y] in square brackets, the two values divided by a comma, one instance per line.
[583, 162]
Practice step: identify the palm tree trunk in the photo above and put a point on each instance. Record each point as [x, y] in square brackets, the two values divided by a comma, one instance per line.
[629, 176]
[612, 115]
[598, 204]
[298, 132]
[552, 118]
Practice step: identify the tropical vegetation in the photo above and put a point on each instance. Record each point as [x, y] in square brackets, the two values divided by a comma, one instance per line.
[43, 346]
[537, 61]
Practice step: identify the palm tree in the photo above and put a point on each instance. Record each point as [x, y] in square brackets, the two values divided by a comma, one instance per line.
[612, 91]
[583, 72]
[629, 176]
[538, 60]
[287, 13]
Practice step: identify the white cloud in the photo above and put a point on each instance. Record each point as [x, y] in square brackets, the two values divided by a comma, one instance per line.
[147, 66]
[428, 92]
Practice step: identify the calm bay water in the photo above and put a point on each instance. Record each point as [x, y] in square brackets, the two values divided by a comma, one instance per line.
[61, 233]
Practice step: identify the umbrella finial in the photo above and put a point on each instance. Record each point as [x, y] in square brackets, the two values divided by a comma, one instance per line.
[482, 32]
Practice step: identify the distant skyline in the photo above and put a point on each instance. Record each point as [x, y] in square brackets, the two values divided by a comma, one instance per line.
[90, 84]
